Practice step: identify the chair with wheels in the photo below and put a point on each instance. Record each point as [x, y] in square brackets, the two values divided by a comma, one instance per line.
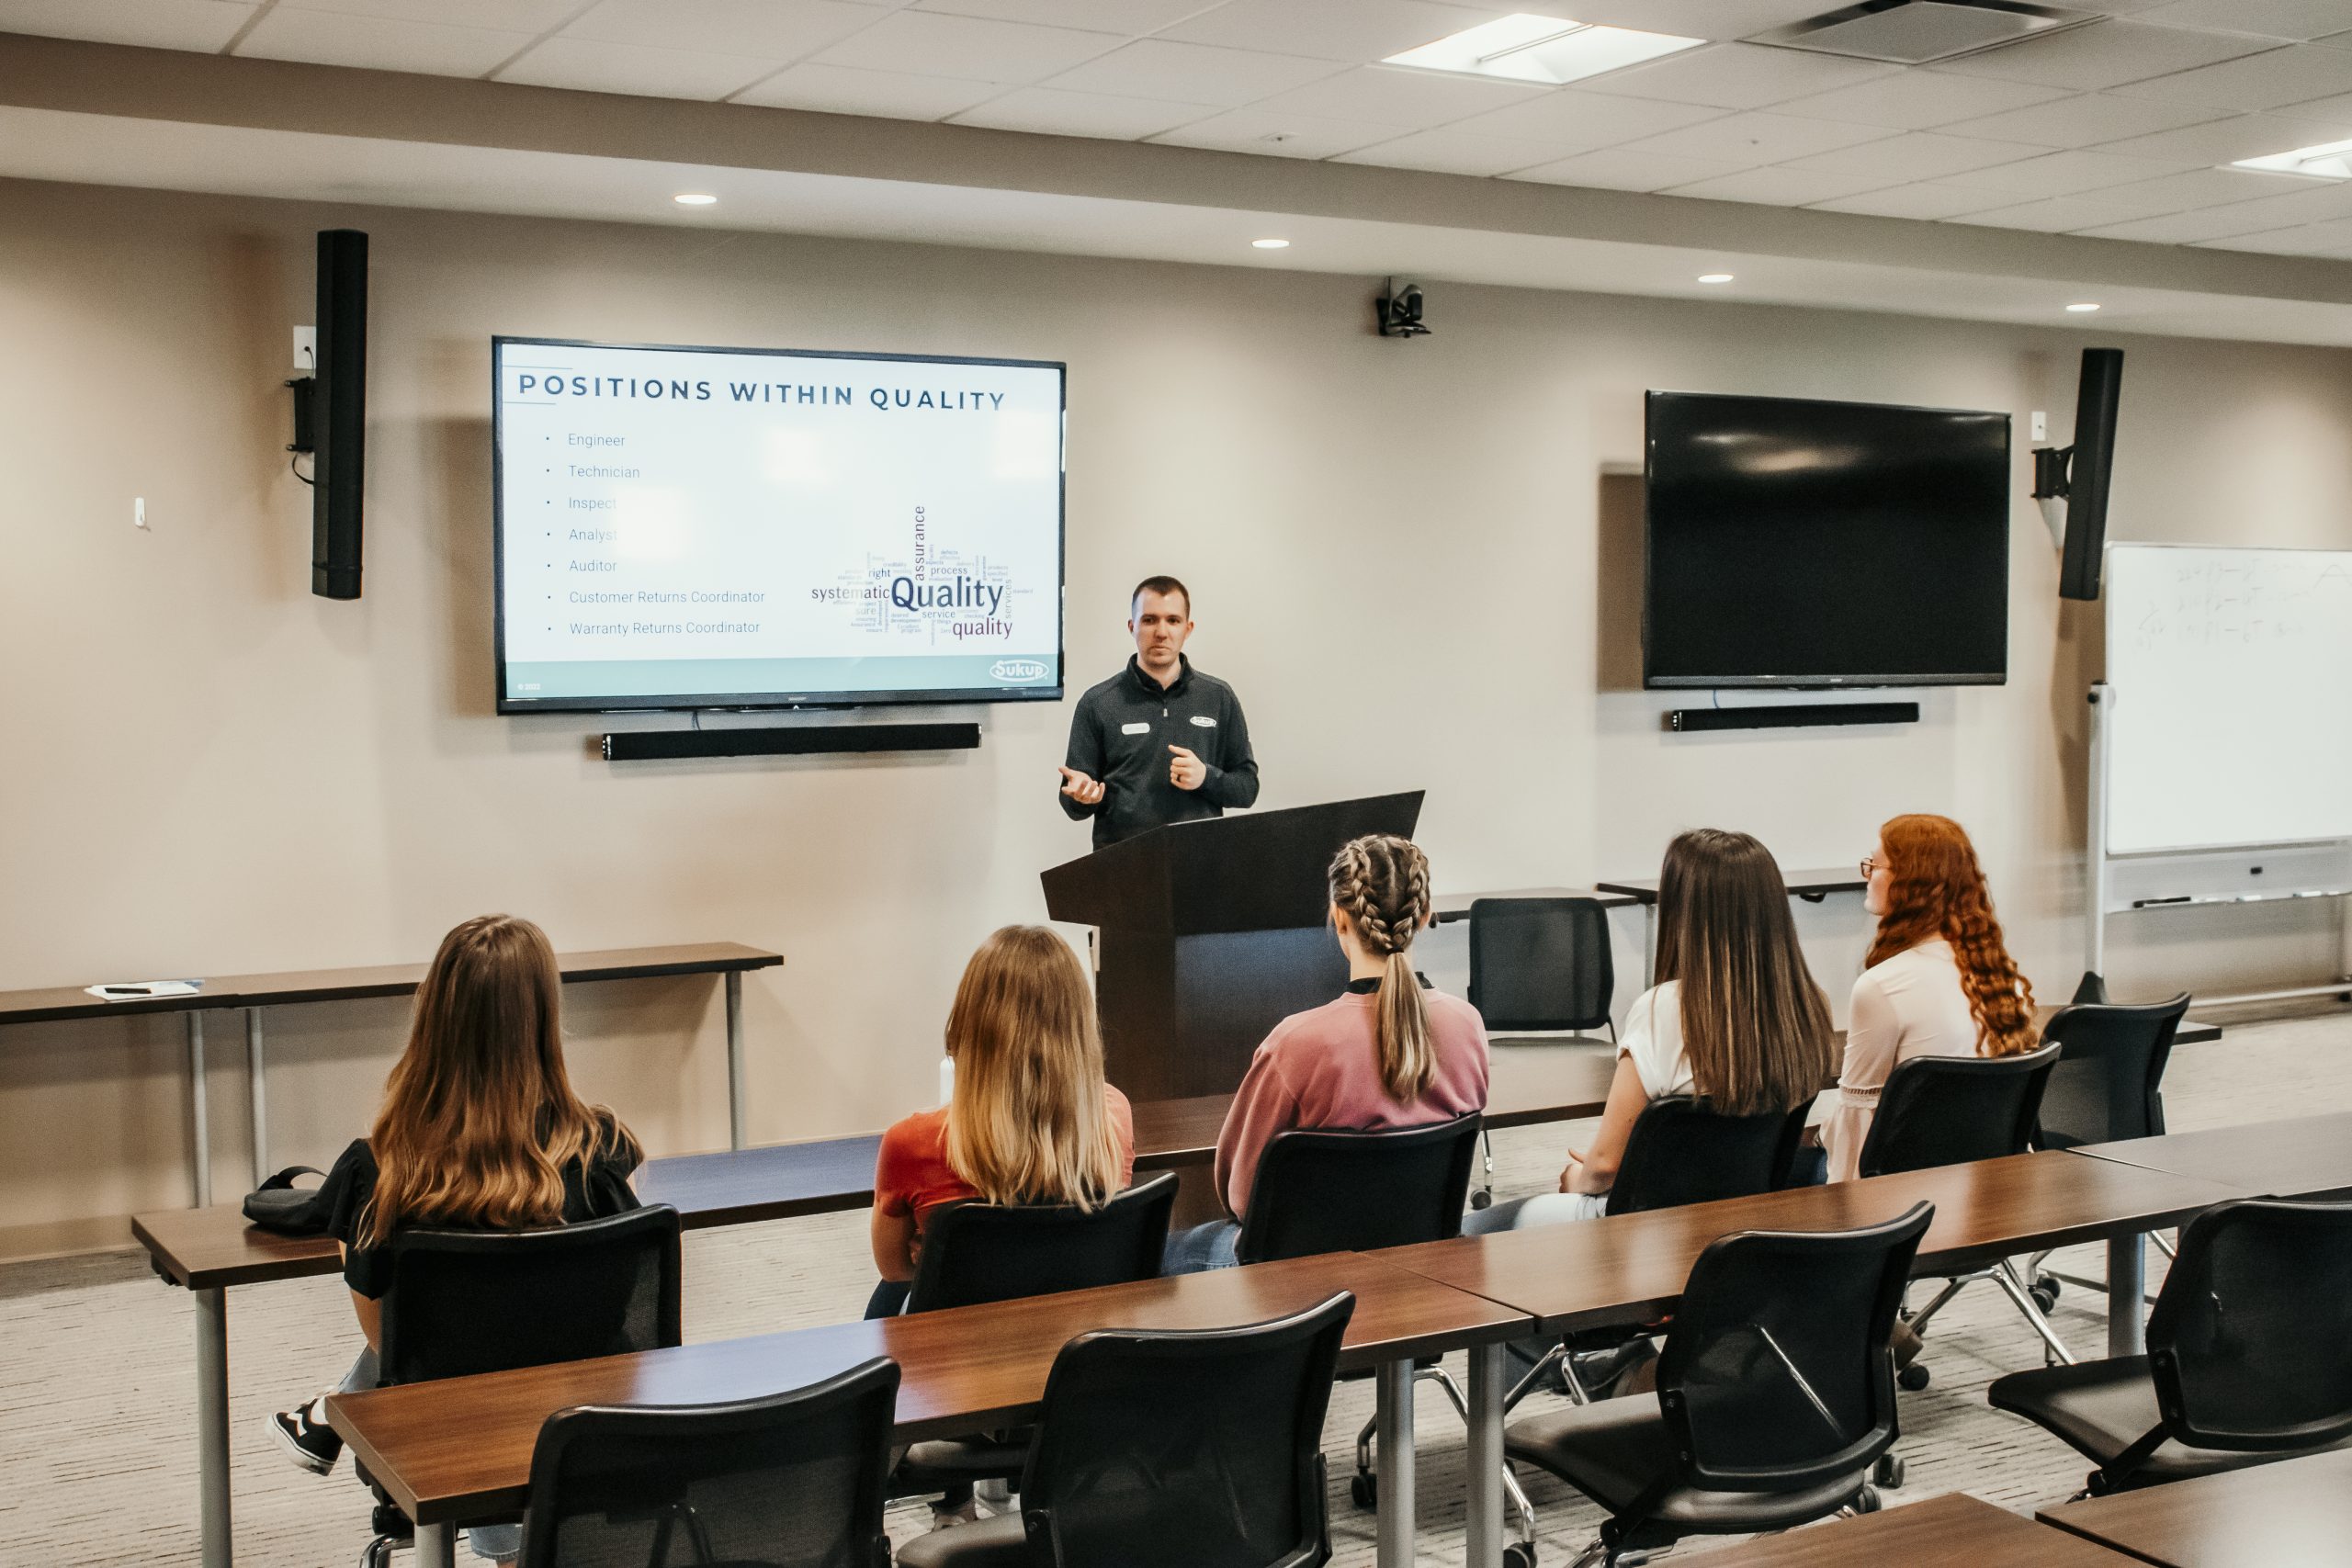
[1950, 1111]
[1539, 964]
[974, 1253]
[2108, 1085]
[2245, 1357]
[792, 1479]
[465, 1302]
[1194, 1449]
[1775, 1394]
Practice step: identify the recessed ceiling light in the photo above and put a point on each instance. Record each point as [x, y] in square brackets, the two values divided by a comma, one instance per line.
[1714, 277]
[2082, 307]
[2328, 161]
[1272, 244]
[1527, 48]
[694, 198]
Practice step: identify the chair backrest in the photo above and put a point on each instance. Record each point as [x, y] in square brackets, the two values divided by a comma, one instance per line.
[1949, 1110]
[1540, 962]
[1776, 1375]
[993, 1252]
[1186, 1449]
[1681, 1151]
[791, 1481]
[467, 1302]
[2246, 1340]
[1338, 1191]
[2108, 1083]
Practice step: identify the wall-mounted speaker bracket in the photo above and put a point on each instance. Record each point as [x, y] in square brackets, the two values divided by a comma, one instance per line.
[1794, 716]
[777, 740]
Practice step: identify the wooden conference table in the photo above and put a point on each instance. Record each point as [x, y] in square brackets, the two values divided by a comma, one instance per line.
[2305, 1156]
[251, 993]
[1951, 1531]
[2291, 1511]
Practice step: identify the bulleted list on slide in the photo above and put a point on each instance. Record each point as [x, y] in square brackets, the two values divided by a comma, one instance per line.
[711, 523]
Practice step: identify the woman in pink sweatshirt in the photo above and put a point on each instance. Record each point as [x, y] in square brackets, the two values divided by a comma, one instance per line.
[1389, 1052]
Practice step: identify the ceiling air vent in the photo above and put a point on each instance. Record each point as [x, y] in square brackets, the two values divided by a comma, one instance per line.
[1915, 32]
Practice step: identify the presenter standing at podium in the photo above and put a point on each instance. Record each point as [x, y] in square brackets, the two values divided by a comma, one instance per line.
[1158, 742]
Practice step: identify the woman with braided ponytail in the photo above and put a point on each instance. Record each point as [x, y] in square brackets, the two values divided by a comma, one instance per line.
[1389, 1052]
[1939, 981]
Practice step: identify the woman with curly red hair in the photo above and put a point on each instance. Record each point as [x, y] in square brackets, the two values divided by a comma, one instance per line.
[1939, 981]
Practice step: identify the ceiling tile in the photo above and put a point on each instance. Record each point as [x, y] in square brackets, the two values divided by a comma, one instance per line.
[1576, 119]
[1194, 72]
[2227, 141]
[2277, 18]
[379, 43]
[1616, 169]
[1917, 100]
[2119, 204]
[1099, 15]
[2293, 74]
[156, 24]
[1928, 200]
[1053, 112]
[1391, 94]
[1278, 135]
[2057, 214]
[975, 50]
[1738, 76]
[1355, 31]
[2331, 108]
[2063, 174]
[1776, 187]
[1693, 18]
[2086, 119]
[2314, 203]
[2310, 239]
[1745, 141]
[1919, 155]
[892, 94]
[533, 17]
[772, 29]
[2183, 228]
[589, 66]
[1456, 151]
[2104, 54]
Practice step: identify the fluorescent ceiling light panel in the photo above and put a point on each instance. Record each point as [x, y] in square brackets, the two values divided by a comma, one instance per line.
[1527, 48]
[2328, 161]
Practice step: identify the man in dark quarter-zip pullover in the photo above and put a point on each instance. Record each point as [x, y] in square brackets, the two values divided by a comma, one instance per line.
[1158, 742]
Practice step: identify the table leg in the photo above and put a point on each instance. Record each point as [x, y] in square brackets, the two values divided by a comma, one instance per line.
[213, 1427]
[1394, 1384]
[436, 1546]
[1483, 1522]
[2126, 1282]
[735, 1058]
[1649, 943]
[260, 1095]
[199, 1154]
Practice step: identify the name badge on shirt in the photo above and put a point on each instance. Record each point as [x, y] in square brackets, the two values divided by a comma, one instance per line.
[1135, 730]
[1204, 721]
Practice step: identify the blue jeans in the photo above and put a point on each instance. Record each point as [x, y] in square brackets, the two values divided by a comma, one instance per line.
[1202, 1248]
[497, 1542]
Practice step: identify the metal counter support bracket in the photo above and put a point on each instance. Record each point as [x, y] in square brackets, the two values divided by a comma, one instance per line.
[735, 1058]
[199, 1154]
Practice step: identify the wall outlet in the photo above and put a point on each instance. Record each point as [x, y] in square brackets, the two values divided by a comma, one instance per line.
[2039, 423]
[139, 512]
[306, 349]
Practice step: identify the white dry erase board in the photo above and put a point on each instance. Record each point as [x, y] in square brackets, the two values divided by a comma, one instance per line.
[2231, 671]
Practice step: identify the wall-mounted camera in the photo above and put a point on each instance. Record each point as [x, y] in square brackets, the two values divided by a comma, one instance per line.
[1398, 312]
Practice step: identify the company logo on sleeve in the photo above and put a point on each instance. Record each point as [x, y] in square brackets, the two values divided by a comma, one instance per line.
[1016, 671]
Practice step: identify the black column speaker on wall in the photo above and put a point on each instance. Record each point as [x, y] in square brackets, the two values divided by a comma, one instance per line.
[339, 413]
[2081, 472]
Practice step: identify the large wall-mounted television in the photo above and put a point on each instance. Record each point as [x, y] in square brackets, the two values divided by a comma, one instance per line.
[1797, 543]
[713, 528]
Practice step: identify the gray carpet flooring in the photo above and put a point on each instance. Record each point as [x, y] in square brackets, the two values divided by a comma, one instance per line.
[97, 1404]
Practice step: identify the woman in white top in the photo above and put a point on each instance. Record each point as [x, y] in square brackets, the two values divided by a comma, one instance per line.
[1939, 981]
[1735, 1016]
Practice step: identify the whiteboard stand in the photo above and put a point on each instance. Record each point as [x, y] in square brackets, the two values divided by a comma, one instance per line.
[2191, 878]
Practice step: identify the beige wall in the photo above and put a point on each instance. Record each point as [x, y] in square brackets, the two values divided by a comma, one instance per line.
[1394, 546]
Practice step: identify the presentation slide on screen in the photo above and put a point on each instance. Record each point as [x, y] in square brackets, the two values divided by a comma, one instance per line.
[702, 524]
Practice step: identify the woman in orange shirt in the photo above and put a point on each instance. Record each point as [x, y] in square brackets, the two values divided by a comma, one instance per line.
[1030, 1120]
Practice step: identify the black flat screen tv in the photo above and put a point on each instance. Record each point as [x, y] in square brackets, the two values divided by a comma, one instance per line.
[1797, 543]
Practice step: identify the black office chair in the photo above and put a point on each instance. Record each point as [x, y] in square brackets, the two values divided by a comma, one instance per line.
[794, 1479]
[2245, 1358]
[2108, 1085]
[465, 1302]
[1775, 1394]
[1939, 1110]
[974, 1253]
[1538, 963]
[1199, 1449]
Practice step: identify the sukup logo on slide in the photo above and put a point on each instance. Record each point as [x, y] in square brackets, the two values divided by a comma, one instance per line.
[1017, 670]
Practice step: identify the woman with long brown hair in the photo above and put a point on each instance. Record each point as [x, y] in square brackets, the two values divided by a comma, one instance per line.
[1939, 980]
[1390, 1051]
[1030, 1119]
[1733, 1014]
[479, 1130]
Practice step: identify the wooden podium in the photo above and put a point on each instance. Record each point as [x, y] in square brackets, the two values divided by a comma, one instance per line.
[1212, 932]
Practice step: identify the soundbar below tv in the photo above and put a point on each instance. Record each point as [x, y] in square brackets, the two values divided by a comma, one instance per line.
[708, 527]
[1794, 543]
